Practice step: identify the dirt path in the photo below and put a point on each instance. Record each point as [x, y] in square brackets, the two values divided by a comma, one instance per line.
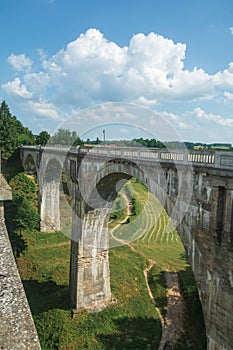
[146, 271]
[175, 311]
[174, 322]
[128, 213]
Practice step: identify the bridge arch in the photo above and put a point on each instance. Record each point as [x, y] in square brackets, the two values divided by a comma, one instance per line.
[29, 163]
[49, 168]
[96, 187]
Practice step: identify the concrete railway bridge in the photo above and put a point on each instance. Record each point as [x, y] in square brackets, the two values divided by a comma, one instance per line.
[196, 189]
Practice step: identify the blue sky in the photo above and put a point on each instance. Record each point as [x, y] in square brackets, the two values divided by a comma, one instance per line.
[58, 57]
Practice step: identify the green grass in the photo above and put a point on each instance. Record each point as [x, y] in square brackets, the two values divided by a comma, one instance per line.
[131, 324]
[165, 247]
[157, 282]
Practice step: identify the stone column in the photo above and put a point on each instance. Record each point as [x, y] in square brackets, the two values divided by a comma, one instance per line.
[89, 260]
[49, 206]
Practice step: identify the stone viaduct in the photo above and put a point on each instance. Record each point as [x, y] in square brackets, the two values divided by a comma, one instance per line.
[195, 187]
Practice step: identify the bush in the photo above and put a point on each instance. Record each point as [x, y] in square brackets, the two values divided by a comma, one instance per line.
[22, 212]
[118, 209]
[23, 186]
[24, 215]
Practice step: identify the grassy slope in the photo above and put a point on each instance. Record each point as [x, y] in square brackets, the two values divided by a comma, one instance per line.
[133, 322]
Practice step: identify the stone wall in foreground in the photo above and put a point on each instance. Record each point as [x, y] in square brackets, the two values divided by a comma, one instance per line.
[17, 329]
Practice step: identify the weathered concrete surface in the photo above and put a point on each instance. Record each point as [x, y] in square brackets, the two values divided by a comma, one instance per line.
[206, 232]
[5, 190]
[17, 330]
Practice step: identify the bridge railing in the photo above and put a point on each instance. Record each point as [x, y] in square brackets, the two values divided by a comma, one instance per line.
[181, 156]
[221, 159]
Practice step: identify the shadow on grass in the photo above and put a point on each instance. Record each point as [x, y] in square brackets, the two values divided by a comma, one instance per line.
[19, 245]
[157, 282]
[133, 333]
[194, 336]
[44, 296]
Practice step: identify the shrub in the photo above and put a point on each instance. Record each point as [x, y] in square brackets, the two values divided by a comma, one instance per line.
[24, 215]
[23, 186]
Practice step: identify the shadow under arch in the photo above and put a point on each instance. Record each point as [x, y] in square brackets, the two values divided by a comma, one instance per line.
[29, 164]
[97, 190]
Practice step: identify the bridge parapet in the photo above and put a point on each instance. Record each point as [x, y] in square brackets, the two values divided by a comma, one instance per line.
[211, 158]
[216, 159]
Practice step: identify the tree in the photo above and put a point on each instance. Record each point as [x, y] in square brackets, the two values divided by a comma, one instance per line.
[12, 132]
[25, 217]
[65, 137]
[8, 132]
[23, 208]
[22, 185]
[42, 138]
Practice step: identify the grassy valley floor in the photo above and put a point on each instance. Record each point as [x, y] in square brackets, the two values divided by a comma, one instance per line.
[133, 322]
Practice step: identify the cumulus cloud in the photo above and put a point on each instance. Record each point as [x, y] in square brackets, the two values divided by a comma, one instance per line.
[15, 87]
[91, 70]
[231, 29]
[20, 62]
[211, 117]
[198, 125]
[228, 95]
[44, 109]
[191, 119]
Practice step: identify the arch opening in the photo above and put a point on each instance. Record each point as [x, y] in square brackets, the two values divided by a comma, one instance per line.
[167, 266]
[30, 164]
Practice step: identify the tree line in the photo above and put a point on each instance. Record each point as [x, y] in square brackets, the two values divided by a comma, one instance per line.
[13, 134]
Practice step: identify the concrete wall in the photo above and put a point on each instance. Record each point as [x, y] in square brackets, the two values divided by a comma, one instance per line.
[207, 235]
[17, 330]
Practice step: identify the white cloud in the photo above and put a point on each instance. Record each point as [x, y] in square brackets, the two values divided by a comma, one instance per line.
[197, 117]
[231, 29]
[44, 109]
[20, 62]
[228, 95]
[198, 125]
[213, 118]
[224, 79]
[16, 88]
[93, 70]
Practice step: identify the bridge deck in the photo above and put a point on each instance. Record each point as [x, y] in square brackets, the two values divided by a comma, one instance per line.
[215, 159]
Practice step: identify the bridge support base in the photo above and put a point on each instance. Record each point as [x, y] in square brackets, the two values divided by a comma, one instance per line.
[89, 279]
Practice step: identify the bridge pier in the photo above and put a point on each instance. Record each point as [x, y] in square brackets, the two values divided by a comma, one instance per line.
[89, 259]
[49, 206]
